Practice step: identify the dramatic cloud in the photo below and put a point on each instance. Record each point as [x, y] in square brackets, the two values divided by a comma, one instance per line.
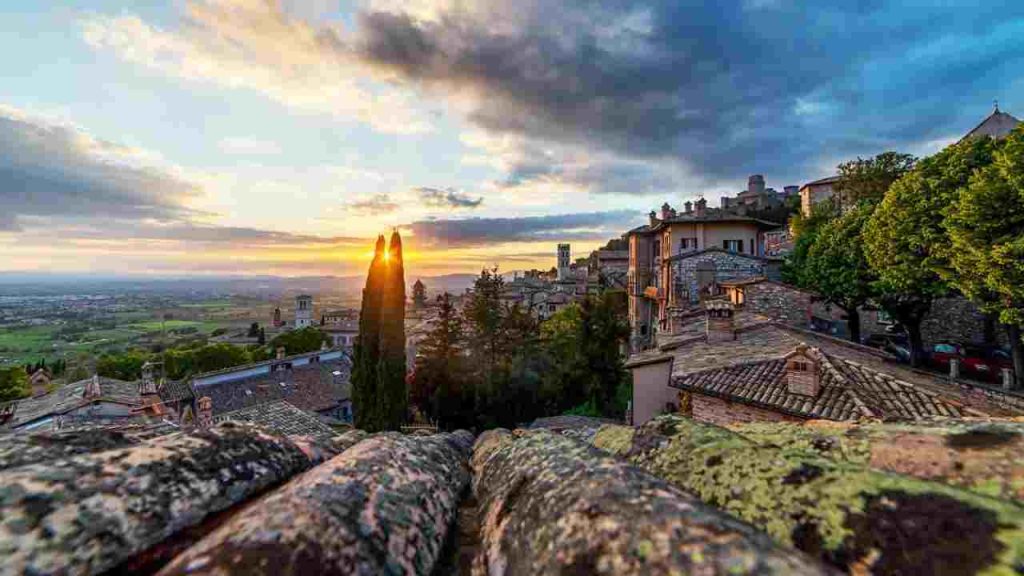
[723, 88]
[492, 231]
[376, 204]
[54, 170]
[615, 96]
[252, 44]
[448, 198]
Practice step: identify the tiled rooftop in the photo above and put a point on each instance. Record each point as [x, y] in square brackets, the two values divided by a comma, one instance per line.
[312, 387]
[282, 418]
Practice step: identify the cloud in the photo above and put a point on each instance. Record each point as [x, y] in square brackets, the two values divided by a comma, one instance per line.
[249, 146]
[49, 169]
[609, 95]
[447, 198]
[471, 232]
[376, 204]
[254, 45]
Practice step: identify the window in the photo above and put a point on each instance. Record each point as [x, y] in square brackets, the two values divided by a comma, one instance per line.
[733, 245]
[687, 244]
[884, 317]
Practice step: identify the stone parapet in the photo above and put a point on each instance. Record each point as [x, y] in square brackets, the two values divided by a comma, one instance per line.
[845, 513]
[90, 512]
[549, 504]
[384, 506]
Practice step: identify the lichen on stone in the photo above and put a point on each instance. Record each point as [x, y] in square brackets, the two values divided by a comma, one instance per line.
[384, 506]
[843, 511]
[552, 505]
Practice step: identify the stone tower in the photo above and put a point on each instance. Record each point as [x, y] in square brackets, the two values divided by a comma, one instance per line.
[419, 295]
[564, 258]
[303, 311]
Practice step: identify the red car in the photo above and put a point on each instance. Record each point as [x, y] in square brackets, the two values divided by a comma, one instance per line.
[985, 362]
[943, 352]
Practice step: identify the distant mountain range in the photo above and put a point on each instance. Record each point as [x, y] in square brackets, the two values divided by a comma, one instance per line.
[21, 284]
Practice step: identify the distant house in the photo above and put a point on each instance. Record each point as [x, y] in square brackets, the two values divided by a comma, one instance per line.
[678, 255]
[96, 400]
[281, 417]
[816, 192]
[317, 382]
[342, 326]
[728, 365]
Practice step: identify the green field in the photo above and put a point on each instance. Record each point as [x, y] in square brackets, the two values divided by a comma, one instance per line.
[157, 325]
[20, 345]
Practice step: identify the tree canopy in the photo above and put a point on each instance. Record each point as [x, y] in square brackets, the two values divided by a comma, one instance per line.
[14, 384]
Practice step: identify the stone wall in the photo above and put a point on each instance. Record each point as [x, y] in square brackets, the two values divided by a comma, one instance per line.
[953, 319]
[722, 412]
[728, 266]
[779, 302]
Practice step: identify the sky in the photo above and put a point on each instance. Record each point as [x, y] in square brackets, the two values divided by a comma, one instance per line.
[184, 137]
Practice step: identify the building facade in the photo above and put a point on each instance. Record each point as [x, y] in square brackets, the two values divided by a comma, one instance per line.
[303, 311]
[678, 256]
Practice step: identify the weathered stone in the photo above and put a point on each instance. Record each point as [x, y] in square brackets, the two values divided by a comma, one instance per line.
[382, 507]
[846, 513]
[552, 505]
[980, 455]
[20, 448]
[91, 512]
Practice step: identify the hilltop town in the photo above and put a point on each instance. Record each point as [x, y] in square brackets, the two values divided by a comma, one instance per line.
[691, 397]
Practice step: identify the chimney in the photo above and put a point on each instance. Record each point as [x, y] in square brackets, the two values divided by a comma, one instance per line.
[954, 369]
[148, 383]
[689, 206]
[204, 417]
[720, 322]
[802, 372]
[702, 208]
[666, 211]
[1007, 379]
[280, 353]
[92, 388]
[654, 218]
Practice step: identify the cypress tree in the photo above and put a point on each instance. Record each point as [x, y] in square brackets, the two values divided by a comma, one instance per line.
[392, 398]
[367, 347]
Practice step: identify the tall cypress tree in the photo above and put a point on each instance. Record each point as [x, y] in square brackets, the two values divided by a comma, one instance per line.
[392, 397]
[367, 346]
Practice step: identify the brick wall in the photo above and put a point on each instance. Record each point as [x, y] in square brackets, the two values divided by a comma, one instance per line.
[778, 302]
[722, 412]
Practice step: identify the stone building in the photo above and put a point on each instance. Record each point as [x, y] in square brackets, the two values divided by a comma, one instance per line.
[419, 295]
[303, 311]
[816, 192]
[342, 326]
[756, 197]
[317, 382]
[93, 401]
[678, 256]
[743, 367]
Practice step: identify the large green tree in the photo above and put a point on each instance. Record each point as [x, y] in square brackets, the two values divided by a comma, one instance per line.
[440, 371]
[308, 339]
[14, 383]
[836, 267]
[905, 241]
[603, 332]
[986, 229]
[392, 397]
[367, 347]
[868, 179]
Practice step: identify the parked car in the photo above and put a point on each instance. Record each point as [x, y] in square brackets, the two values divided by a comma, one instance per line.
[896, 344]
[942, 353]
[985, 362]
